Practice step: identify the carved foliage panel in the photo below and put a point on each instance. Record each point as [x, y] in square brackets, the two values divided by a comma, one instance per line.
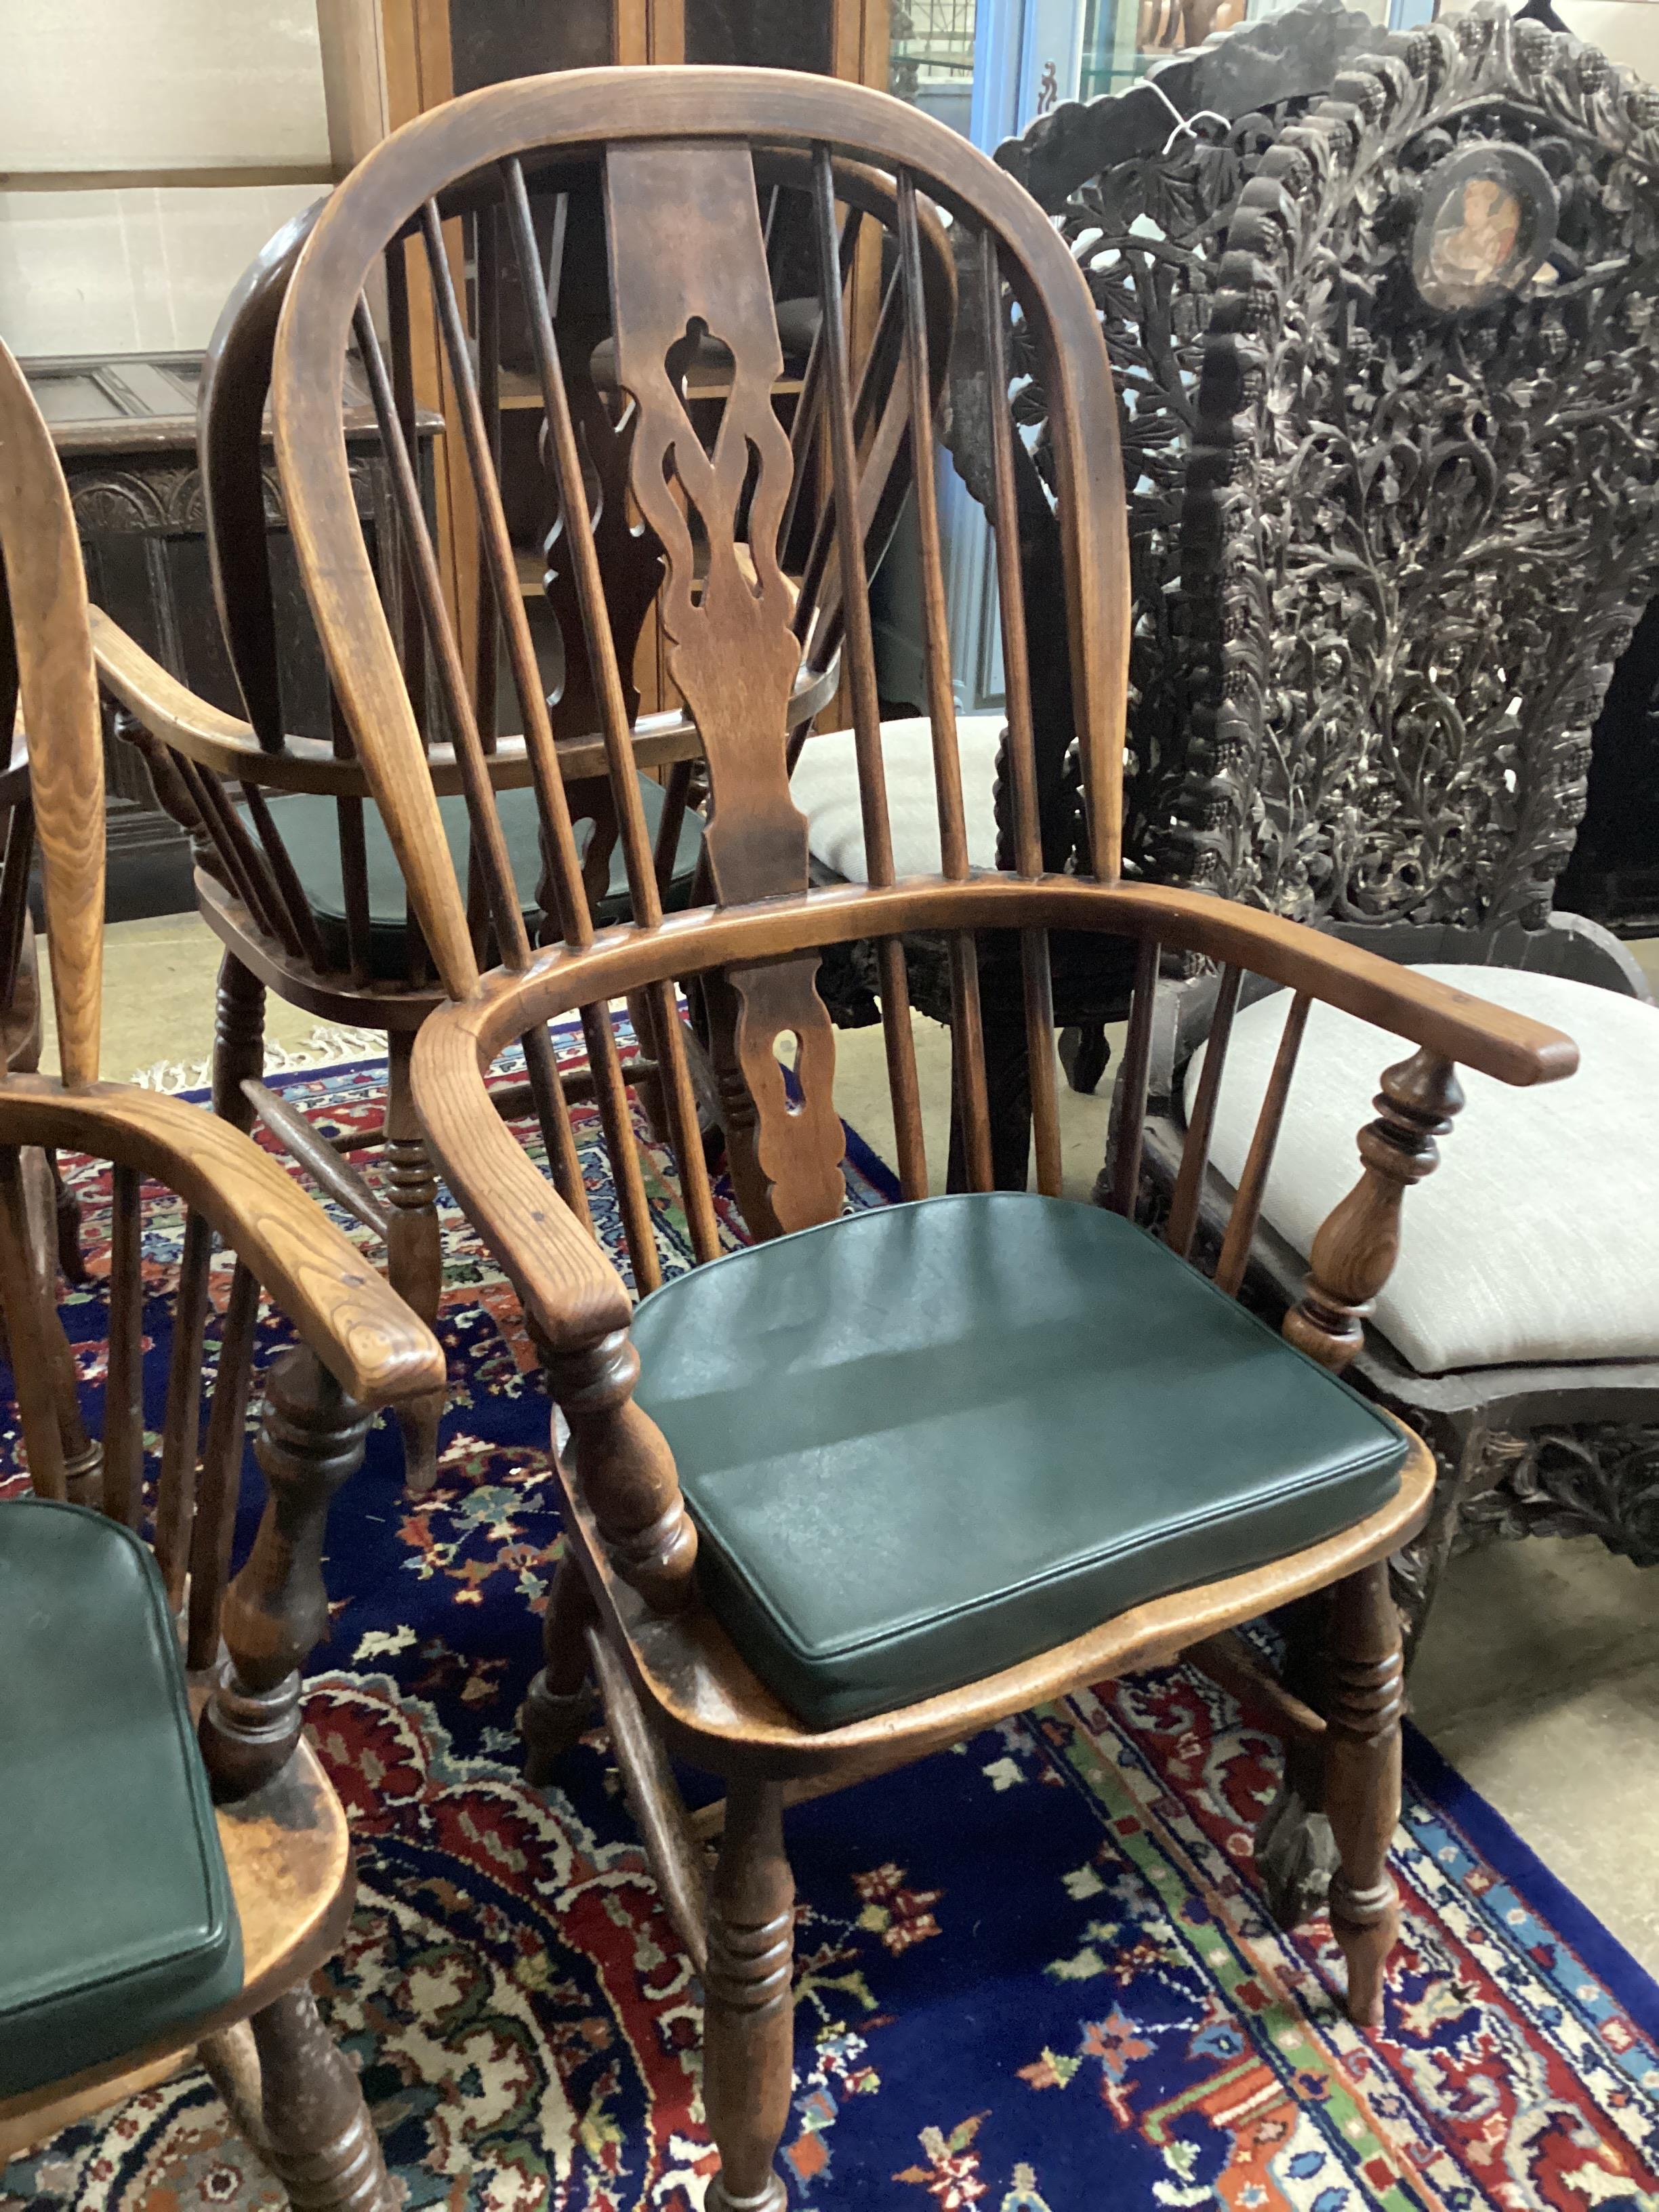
[1421, 511]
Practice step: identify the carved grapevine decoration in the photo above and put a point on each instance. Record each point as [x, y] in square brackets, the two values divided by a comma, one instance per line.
[1420, 518]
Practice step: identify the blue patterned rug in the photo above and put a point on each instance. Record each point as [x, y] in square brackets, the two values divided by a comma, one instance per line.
[1033, 1973]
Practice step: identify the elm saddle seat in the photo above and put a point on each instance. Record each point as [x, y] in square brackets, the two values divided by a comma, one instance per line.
[980, 1387]
[310, 827]
[119, 1920]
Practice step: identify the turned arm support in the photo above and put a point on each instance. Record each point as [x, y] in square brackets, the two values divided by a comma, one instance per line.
[1358, 1241]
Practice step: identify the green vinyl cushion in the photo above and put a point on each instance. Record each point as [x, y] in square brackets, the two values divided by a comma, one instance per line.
[117, 1922]
[924, 1442]
[310, 827]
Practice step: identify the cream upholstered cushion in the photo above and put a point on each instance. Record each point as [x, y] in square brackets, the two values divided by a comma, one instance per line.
[826, 784]
[1537, 1237]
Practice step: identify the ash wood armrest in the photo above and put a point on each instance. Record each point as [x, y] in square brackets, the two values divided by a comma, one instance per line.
[1451, 1024]
[572, 1291]
[360, 1329]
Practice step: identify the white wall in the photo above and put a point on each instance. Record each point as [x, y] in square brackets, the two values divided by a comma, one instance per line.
[145, 85]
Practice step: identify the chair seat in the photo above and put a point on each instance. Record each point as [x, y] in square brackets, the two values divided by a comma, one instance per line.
[825, 787]
[1533, 1241]
[925, 1442]
[310, 826]
[118, 1917]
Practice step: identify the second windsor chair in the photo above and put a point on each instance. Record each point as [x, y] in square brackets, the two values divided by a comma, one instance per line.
[836, 1500]
[144, 1922]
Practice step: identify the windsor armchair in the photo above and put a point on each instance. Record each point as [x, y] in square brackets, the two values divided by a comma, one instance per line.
[233, 1879]
[838, 1498]
[299, 880]
[1419, 534]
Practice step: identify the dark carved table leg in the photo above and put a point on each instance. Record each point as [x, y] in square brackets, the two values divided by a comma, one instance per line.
[321, 2142]
[748, 2012]
[1361, 1781]
[1295, 1855]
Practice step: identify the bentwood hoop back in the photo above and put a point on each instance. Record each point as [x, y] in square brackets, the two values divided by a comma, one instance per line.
[727, 1613]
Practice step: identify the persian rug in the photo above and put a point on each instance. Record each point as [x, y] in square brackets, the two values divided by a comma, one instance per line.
[1033, 1973]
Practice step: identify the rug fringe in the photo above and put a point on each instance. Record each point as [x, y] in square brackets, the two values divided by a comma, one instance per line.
[330, 1044]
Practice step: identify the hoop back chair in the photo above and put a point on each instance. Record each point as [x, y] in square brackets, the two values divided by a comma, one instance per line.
[208, 1935]
[841, 1497]
[294, 872]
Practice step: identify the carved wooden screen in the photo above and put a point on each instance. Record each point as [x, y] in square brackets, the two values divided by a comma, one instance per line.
[1419, 520]
[764, 532]
[1145, 204]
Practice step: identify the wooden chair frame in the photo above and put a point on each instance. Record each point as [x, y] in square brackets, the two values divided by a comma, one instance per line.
[249, 892]
[283, 1828]
[626, 1603]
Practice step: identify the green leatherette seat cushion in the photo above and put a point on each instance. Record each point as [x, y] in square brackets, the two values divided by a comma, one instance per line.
[117, 1922]
[926, 1442]
[310, 827]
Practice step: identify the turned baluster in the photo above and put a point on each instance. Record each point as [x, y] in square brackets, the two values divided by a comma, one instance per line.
[311, 1440]
[1354, 1253]
[626, 1469]
[414, 1241]
[318, 2136]
[239, 1041]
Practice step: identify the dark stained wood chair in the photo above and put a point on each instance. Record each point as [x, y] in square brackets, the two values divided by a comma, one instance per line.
[295, 873]
[1419, 533]
[159, 1898]
[842, 1497]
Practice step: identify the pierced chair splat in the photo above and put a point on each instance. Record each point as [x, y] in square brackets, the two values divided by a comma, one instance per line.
[1056, 1451]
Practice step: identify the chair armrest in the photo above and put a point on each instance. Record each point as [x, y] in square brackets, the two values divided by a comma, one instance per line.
[357, 1326]
[571, 1291]
[1451, 1024]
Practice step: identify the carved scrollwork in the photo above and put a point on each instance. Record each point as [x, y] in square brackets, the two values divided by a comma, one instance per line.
[1419, 535]
[1146, 218]
[1598, 1480]
[157, 501]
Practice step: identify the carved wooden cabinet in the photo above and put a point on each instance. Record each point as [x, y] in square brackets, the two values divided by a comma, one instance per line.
[125, 427]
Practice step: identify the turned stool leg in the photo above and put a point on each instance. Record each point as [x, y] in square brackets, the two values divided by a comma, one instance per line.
[414, 1248]
[320, 2139]
[311, 1440]
[559, 1702]
[1361, 1781]
[748, 2005]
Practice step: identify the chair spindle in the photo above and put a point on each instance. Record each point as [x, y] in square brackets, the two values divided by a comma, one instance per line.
[1258, 1164]
[175, 1487]
[124, 1386]
[610, 1095]
[487, 281]
[1195, 1151]
[1137, 1067]
[221, 1483]
[26, 1326]
[578, 548]
[506, 912]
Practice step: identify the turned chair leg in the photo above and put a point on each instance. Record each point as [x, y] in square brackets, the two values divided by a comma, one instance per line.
[559, 1702]
[414, 1241]
[66, 1210]
[320, 2139]
[239, 1041]
[748, 2005]
[1361, 1781]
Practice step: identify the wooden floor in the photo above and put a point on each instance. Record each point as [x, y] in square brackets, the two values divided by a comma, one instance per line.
[1539, 1678]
